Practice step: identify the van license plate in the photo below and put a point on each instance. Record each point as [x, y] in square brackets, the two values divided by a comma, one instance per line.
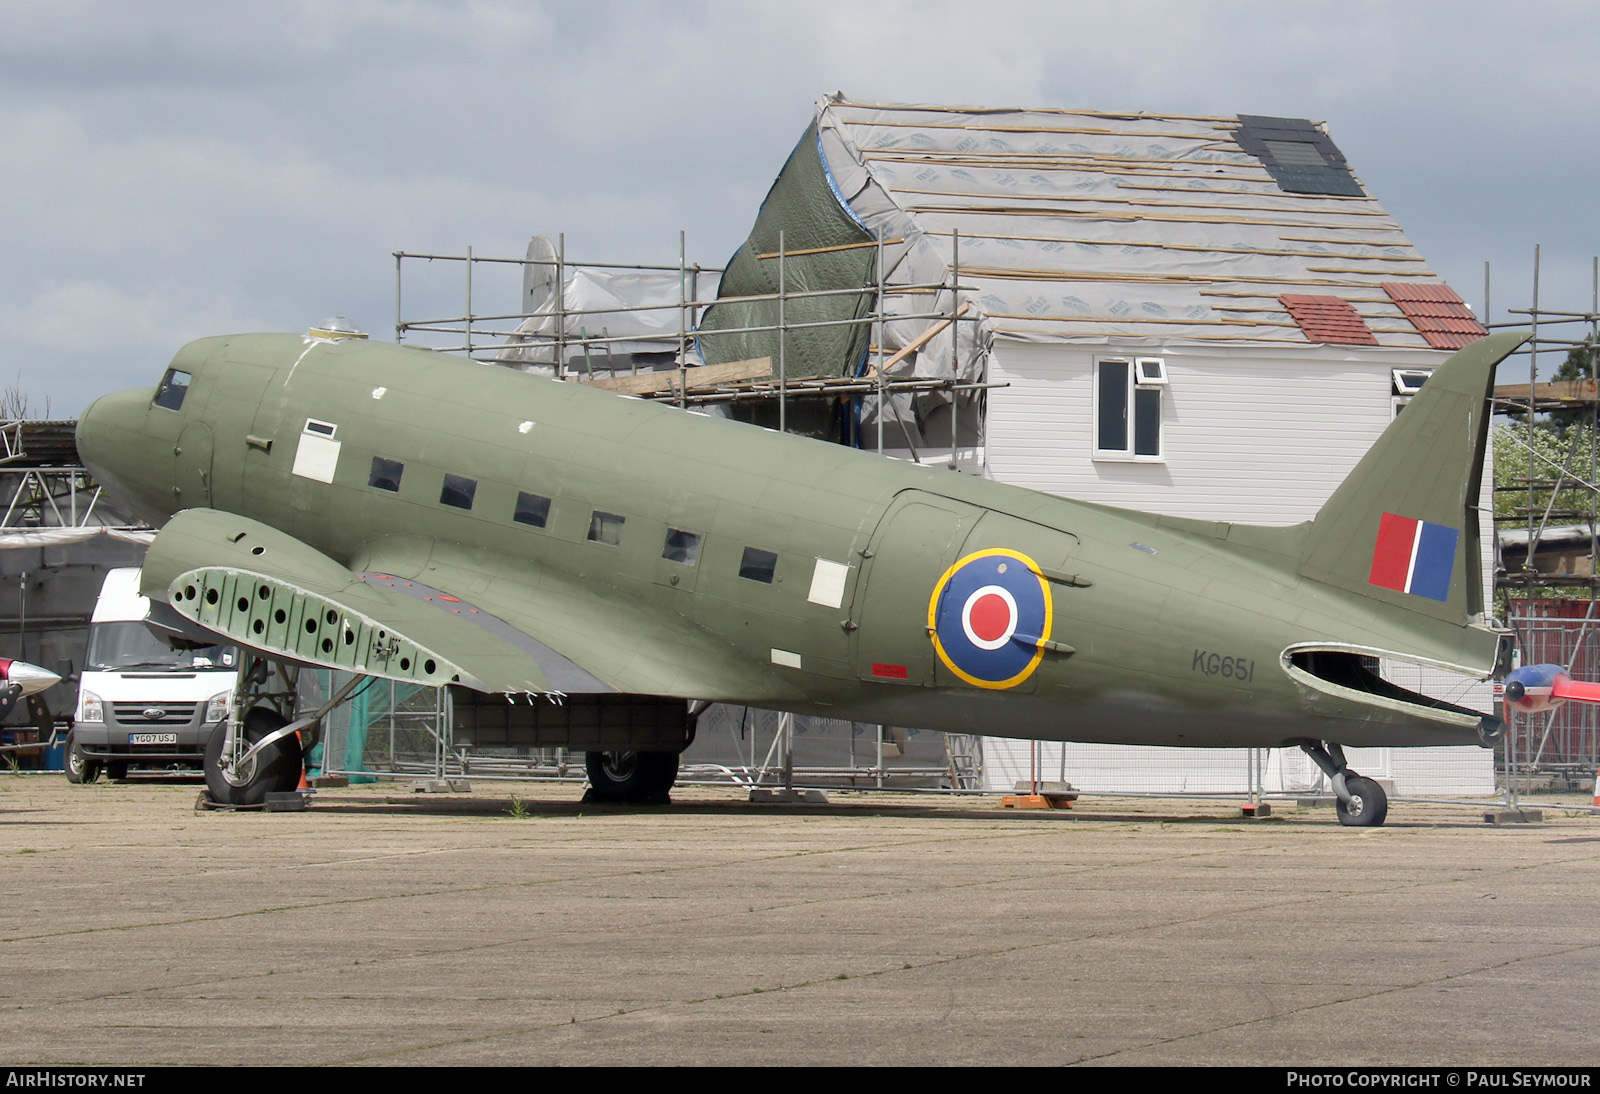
[152, 738]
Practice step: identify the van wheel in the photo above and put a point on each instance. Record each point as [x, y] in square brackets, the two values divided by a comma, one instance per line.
[80, 768]
[275, 769]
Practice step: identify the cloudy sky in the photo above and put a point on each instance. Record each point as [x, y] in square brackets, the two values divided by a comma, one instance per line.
[172, 169]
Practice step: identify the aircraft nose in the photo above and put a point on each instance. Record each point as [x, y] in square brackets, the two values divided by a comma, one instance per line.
[109, 428]
[117, 446]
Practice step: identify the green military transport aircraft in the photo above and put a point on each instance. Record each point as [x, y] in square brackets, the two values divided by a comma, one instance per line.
[610, 565]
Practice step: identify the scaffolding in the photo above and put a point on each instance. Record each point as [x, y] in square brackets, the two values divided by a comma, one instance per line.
[579, 347]
[402, 731]
[1546, 525]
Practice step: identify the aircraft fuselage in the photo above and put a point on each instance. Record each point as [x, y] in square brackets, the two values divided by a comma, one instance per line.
[811, 577]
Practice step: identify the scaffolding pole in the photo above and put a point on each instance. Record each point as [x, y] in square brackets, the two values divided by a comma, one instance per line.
[1550, 603]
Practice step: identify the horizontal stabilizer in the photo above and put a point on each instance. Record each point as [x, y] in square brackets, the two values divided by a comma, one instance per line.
[1582, 691]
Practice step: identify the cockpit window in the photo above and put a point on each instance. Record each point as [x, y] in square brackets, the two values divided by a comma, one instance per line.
[174, 386]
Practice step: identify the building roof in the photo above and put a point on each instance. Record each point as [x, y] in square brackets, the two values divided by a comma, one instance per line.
[1093, 225]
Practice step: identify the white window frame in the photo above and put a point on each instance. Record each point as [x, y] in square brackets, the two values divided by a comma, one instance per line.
[1147, 374]
[1404, 387]
[1407, 382]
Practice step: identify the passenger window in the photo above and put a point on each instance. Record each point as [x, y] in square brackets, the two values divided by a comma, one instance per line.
[385, 474]
[681, 547]
[458, 491]
[174, 386]
[532, 509]
[758, 565]
[606, 528]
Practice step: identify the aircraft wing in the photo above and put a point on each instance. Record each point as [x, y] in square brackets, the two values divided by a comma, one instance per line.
[430, 613]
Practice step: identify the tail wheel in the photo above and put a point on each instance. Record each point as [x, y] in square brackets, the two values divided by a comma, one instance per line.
[631, 777]
[80, 768]
[1368, 806]
[275, 769]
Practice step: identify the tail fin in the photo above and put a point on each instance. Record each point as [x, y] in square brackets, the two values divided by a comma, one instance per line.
[1403, 526]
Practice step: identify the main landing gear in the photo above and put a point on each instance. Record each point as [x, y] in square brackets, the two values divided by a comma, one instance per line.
[622, 776]
[257, 750]
[263, 758]
[637, 778]
[1361, 803]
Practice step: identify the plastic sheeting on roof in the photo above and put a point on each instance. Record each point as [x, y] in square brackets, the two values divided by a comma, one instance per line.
[599, 313]
[1092, 227]
[11, 538]
[824, 249]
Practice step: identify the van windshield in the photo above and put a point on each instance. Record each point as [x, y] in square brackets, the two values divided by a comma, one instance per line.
[121, 646]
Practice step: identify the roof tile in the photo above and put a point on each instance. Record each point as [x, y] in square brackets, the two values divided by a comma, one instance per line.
[1416, 290]
[1436, 310]
[1328, 319]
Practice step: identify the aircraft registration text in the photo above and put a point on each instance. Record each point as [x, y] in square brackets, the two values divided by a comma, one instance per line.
[1242, 669]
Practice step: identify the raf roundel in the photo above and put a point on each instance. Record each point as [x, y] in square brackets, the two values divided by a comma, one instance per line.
[988, 615]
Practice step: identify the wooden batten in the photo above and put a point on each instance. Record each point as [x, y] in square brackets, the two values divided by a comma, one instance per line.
[647, 383]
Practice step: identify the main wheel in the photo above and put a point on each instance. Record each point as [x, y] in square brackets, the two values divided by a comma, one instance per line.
[275, 768]
[1368, 806]
[80, 768]
[634, 777]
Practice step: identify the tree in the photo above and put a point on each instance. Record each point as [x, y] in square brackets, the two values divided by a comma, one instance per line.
[1560, 461]
[14, 404]
[1564, 454]
[1579, 365]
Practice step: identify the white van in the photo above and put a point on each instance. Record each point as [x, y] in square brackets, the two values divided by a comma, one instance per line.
[140, 702]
